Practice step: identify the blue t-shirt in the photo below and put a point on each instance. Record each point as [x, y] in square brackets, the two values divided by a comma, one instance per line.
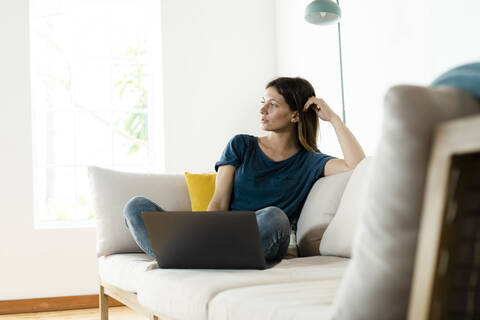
[260, 182]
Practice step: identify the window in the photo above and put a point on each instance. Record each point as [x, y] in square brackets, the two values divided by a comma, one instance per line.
[94, 82]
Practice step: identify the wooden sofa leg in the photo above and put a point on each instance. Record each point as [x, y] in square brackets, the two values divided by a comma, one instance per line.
[153, 317]
[103, 303]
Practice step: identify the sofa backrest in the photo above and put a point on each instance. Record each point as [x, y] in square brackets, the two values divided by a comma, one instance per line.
[110, 191]
[340, 234]
[319, 208]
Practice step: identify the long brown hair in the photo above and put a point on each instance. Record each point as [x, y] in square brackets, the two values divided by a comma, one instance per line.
[296, 92]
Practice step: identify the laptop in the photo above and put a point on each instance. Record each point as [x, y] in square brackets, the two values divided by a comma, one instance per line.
[205, 240]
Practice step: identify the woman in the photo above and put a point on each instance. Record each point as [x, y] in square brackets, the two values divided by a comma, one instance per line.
[271, 175]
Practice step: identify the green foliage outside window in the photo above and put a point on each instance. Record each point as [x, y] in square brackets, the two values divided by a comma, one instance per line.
[135, 123]
[56, 64]
[132, 125]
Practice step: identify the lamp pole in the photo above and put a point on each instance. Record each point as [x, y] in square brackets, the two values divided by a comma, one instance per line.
[341, 69]
[322, 12]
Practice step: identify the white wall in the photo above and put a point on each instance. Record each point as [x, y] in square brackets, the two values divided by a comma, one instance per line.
[451, 34]
[217, 57]
[384, 43]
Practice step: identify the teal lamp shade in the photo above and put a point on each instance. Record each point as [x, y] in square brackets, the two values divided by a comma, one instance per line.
[323, 12]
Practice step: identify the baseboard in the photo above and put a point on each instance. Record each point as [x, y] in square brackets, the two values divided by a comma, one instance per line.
[53, 304]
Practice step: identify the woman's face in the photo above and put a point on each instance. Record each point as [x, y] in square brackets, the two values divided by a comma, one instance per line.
[276, 114]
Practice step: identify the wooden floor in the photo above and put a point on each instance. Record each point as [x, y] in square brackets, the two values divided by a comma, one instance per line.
[114, 313]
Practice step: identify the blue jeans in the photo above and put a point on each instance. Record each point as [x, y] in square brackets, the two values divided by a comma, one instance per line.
[273, 225]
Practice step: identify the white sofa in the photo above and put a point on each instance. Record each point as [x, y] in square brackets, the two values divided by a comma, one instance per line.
[371, 214]
[289, 289]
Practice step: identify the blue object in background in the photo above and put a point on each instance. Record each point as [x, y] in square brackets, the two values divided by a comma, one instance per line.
[465, 77]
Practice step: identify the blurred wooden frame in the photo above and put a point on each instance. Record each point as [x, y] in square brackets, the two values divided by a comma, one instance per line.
[129, 299]
[451, 139]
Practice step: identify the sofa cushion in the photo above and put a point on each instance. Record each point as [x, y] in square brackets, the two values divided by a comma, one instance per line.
[111, 189]
[320, 206]
[377, 282]
[302, 300]
[123, 270]
[186, 294]
[338, 237]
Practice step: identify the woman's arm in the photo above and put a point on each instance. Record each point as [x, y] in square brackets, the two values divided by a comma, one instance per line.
[223, 189]
[351, 149]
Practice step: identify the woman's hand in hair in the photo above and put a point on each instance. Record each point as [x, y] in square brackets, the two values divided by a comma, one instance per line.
[322, 109]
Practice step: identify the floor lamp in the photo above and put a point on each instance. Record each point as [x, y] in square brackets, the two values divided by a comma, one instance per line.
[323, 12]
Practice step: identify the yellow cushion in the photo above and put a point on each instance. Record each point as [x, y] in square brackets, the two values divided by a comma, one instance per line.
[201, 187]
